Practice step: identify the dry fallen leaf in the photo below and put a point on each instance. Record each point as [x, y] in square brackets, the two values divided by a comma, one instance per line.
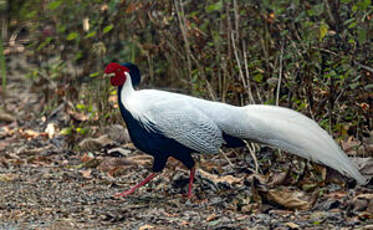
[293, 199]
[114, 165]
[92, 163]
[86, 173]
[350, 145]
[6, 117]
[146, 227]
[91, 144]
[211, 217]
[278, 178]
[365, 165]
[363, 202]
[221, 179]
[77, 116]
[8, 177]
[117, 133]
[30, 134]
[51, 130]
[292, 225]
[141, 159]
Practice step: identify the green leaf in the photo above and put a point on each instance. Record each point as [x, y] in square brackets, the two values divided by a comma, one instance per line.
[364, 4]
[214, 7]
[91, 34]
[352, 25]
[369, 86]
[54, 5]
[323, 30]
[318, 9]
[94, 74]
[82, 130]
[80, 106]
[361, 35]
[258, 77]
[31, 14]
[44, 43]
[108, 28]
[66, 131]
[72, 36]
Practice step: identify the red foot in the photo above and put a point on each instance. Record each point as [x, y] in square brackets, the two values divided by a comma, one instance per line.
[191, 178]
[133, 189]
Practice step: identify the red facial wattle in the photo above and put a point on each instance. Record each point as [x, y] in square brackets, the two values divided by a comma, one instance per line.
[120, 77]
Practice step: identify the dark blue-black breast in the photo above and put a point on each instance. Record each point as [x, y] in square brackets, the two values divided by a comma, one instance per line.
[153, 142]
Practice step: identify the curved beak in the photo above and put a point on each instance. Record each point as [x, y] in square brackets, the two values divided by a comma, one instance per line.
[109, 75]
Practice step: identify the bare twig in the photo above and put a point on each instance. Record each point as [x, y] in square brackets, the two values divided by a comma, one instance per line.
[252, 153]
[367, 68]
[225, 156]
[2, 69]
[279, 76]
[332, 19]
[236, 19]
[251, 98]
[182, 22]
[235, 51]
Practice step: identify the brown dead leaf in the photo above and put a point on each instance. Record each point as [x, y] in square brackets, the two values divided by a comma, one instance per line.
[369, 149]
[86, 173]
[115, 166]
[117, 133]
[222, 179]
[92, 163]
[278, 178]
[6, 132]
[365, 165]
[210, 165]
[141, 159]
[122, 151]
[51, 130]
[211, 217]
[336, 195]
[292, 225]
[113, 101]
[6, 117]
[350, 145]
[77, 116]
[92, 144]
[293, 199]
[86, 157]
[146, 227]
[8, 177]
[39, 160]
[3, 144]
[31, 134]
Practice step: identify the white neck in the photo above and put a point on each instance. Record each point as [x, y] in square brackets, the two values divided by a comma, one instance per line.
[127, 90]
[133, 104]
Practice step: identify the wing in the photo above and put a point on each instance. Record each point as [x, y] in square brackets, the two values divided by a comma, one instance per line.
[181, 121]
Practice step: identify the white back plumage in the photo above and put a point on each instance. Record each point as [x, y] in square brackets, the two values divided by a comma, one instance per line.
[199, 124]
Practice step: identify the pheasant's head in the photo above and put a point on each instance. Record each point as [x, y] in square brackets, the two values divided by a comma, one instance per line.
[119, 73]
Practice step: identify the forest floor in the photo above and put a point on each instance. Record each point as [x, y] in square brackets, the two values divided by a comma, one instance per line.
[48, 181]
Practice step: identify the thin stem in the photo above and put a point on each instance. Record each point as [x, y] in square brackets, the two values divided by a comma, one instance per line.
[181, 16]
[279, 77]
[2, 67]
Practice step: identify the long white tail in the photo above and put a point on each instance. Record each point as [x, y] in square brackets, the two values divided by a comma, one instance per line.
[293, 132]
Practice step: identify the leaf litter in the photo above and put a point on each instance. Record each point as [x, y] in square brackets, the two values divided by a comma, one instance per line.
[47, 184]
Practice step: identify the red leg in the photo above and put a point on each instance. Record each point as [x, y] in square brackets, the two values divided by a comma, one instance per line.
[133, 189]
[191, 178]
